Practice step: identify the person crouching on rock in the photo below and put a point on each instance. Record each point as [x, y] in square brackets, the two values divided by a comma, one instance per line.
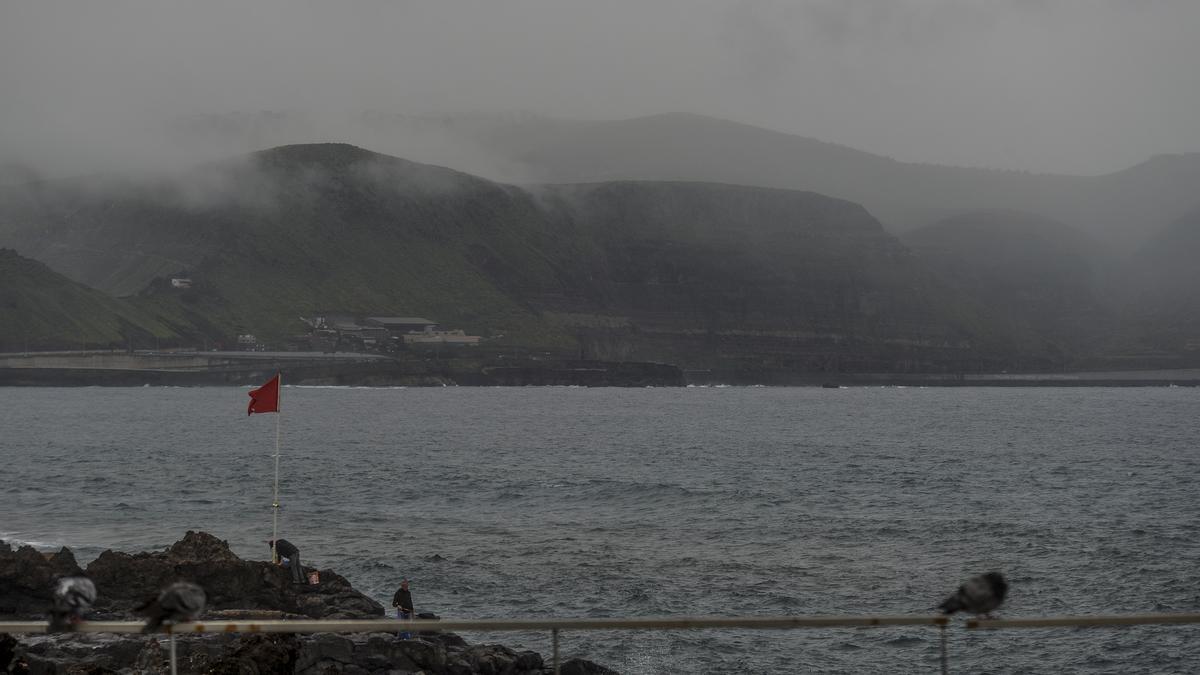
[403, 603]
[289, 556]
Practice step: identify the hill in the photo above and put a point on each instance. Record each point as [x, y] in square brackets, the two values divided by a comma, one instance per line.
[1122, 207]
[1161, 289]
[1040, 278]
[733, 277]
[709, 276]
[40, 309]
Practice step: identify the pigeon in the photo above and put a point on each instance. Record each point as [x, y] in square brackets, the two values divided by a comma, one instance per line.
[180, 602]
[979, 595]
[73, 596]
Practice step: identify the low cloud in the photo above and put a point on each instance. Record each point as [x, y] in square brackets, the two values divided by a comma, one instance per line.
[1072, 86]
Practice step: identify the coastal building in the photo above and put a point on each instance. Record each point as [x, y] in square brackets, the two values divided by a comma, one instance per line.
[442, 337]
[335, 331]
[400, 325]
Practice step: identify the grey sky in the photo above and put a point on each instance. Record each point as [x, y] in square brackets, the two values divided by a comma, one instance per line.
[1082, 86]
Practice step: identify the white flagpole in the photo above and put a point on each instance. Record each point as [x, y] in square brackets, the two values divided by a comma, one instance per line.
[275, 501]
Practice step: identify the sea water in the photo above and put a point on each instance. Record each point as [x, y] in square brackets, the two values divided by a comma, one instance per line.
[569, 502]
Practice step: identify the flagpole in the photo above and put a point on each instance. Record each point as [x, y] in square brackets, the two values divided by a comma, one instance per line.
[275, 501]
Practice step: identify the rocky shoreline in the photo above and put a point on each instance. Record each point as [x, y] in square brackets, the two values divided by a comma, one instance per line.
[237, 589]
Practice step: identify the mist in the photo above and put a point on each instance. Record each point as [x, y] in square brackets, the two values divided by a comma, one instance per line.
[1078, 86]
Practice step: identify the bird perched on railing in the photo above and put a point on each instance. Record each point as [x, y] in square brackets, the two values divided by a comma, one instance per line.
[979, 595]
[73, 597]
[180, 602]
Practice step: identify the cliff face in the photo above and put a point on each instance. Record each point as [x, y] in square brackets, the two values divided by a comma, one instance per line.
[731, 277]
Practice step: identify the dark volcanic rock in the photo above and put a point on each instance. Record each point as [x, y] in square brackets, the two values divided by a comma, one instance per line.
[8, 652]
[26, 577]
[86, 653]
[237, 590]
[316, 654]
[262, 654]
[584, 667]
[125, 581]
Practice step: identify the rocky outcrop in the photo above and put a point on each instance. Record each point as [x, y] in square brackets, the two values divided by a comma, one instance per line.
[125, 580]
[25, 578]
[317, 654]
[237, 589]
[584, 667]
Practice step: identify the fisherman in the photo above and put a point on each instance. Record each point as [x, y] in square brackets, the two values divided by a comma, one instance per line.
[286, 549]
[403, 603]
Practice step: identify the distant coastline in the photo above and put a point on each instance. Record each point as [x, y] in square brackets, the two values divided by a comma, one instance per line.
[118, 369]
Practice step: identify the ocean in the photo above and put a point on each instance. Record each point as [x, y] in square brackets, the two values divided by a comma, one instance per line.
[571, 502]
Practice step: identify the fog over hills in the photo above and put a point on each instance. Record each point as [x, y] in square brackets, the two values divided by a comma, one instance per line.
[1162, 291]
[690, 272]
[1039, 277]
[703, 274]
[1122, 208]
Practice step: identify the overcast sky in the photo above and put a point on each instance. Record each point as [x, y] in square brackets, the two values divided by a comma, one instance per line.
[1080, 86]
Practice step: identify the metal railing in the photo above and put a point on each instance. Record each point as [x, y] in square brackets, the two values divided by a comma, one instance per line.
[630, 623]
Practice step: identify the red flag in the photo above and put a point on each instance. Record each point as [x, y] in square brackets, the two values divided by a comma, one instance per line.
[265, 399]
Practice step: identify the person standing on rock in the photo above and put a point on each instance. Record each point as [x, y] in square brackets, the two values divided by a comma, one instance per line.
[286, 549]
[403, 603]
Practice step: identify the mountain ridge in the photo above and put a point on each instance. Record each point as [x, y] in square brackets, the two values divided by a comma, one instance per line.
[685, 272]
[1121, 206]
[708, 275]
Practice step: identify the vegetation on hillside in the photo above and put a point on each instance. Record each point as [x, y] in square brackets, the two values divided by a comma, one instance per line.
[40, 309]
[713, 277]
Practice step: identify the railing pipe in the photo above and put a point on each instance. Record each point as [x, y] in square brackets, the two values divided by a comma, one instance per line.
[395, 625]
[945, 655]
[554, 639]
[616, 623]
[1085, 620]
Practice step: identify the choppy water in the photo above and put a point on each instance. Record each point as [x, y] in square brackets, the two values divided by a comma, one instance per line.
[598, 502]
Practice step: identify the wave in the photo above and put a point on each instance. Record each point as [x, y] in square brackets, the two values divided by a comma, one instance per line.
[17, 540]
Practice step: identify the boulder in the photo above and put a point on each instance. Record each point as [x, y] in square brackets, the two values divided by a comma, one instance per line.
[320, 651]
[500, 660]
[9, 648]
[256, 654]
[27, 577]
[584, 667]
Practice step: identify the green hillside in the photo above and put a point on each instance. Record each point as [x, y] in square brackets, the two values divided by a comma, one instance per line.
[347, 230]
[709, 276]
[40, 309]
